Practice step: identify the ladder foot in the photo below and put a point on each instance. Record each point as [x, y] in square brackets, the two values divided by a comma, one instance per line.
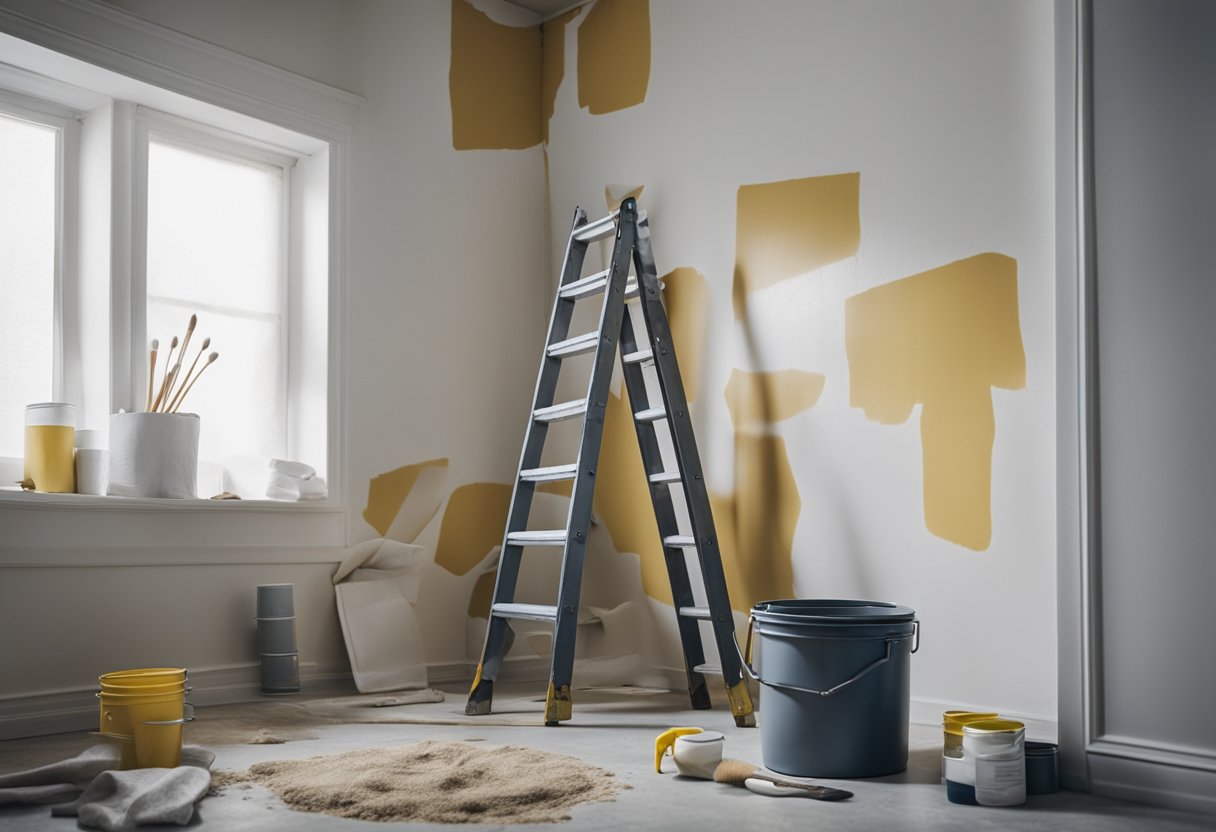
[558, 705]
[741, 704]
[480, 697]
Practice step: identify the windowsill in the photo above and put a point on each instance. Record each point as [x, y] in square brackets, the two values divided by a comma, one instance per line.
[12, 496]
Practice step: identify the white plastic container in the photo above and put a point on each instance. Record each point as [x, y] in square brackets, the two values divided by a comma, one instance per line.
[92, 462]
[996, 749]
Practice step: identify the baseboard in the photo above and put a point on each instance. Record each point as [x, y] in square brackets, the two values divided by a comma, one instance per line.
[929, 712]
[1156, 782]
[75, 709]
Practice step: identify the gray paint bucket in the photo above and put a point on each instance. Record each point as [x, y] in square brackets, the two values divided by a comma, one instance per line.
[836, 677]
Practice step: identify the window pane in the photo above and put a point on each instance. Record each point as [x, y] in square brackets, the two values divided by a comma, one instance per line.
[27, 274]
[214, 230]
[238, 399]
[215, 248]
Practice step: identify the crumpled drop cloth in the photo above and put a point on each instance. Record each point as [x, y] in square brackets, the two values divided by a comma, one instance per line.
[103, 798]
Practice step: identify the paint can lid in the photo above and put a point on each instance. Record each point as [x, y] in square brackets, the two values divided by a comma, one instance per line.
[60, 414]
[832, 611]
[994, 726]
[953, 721]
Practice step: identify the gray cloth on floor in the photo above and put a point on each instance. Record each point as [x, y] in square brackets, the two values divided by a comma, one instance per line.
[108, 799]
[120, 800]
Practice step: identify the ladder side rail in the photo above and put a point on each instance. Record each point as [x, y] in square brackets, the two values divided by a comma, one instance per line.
[666, 522]
[496, 642]
[558, 702]
[679, 422]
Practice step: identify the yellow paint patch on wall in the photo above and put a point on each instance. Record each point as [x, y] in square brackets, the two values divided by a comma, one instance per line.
[472, 525]
[942, 339]
[756, 523]
[757, 400]
[614, 195]
[563, 488]
[614, 55]
[553, 64]
[495, 82]
[784, 229]
[482, 596]
[686, 297]
[387, 492]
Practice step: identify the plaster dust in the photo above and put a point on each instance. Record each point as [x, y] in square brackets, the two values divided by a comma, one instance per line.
[436, 782]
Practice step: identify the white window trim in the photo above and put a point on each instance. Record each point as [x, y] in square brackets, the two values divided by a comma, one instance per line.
[63, 120]
[65, 38]
[154, 125]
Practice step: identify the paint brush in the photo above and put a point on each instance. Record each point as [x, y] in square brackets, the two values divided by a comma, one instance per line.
[210, 360]
[738, 772]
[152, 373]
[180, 358]
[168, 358]
[181, 390]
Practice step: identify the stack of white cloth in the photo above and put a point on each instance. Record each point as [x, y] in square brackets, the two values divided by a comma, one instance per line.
[295, 481]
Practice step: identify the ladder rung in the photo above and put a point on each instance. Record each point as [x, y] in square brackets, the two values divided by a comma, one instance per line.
[532, 612]
[593, 284]
[574, 346]
[653, 414]
[701, 613]
[665, 476]
[549, 537]
[596, 230]
[557, 412]
[678, 541]
[550, 474]
[638, 357]
[708, 669]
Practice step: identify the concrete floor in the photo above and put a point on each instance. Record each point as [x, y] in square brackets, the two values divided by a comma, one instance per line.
[617, 731]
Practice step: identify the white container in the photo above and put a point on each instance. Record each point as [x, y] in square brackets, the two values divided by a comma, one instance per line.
[50, 436]
[92, 462]
[153, 455]
[996, 748]
[697, 755]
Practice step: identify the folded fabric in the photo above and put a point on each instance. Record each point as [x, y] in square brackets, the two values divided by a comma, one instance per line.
[311, 485]
[292, 469]
[313, 489]
[89, 787]
[117, 800]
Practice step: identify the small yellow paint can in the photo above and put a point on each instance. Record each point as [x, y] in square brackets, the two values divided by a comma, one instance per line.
[50, 440]
[952, 729]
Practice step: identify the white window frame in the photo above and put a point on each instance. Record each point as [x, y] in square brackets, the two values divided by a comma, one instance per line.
[64, 121]
[152, 125]
[90, 55]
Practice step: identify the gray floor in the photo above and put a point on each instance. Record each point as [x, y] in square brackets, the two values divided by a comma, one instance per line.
[617, 731]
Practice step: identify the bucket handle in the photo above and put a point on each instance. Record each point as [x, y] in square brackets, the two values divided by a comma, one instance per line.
[181, 721]
[745, 657]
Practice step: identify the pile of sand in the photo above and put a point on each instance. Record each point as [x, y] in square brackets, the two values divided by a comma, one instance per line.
[436, 782]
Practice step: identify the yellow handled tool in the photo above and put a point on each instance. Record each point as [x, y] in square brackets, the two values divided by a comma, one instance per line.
[664, 743]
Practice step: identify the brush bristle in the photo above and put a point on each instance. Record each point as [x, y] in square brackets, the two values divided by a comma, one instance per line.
[734, 772]
[155, 344]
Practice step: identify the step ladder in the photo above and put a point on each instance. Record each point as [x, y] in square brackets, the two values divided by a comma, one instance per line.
[616, 325]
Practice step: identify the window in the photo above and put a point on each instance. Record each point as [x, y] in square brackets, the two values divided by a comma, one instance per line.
[216, 247]
[120, 220]
[29, 188]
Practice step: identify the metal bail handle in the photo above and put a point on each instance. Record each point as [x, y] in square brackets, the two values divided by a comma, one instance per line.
[745, 657]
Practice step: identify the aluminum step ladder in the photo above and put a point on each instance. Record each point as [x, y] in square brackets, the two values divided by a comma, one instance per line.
[616, 325]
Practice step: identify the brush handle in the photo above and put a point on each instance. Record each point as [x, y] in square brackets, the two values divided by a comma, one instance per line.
[151, 376]
[760, 784]
[182, 398]
[181, 390]
[168, 366]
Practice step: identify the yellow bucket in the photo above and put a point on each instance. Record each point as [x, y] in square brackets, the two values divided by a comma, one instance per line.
[148, 724]
[143, 676]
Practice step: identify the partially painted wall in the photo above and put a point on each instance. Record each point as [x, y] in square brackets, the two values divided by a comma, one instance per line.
[853, 203]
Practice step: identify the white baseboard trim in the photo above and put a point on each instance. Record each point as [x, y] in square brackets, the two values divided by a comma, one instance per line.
[75, 709]
[929, 712]
[1156, 782]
